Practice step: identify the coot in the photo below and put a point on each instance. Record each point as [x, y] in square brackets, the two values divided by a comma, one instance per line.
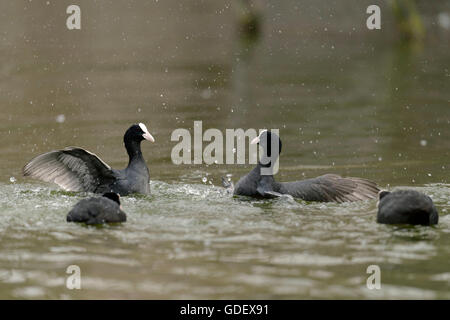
[76, 169]
[98, 210]
[406, 207]
[325, 188]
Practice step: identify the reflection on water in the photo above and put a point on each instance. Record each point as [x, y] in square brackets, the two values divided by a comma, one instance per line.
[346, 100]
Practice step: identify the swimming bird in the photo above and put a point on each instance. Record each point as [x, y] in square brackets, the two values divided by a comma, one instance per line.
[406, 207]
[76, 169]
[325, 188]
[98, 210]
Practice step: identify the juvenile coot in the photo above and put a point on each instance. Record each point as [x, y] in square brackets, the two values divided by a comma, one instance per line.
[76, 169]
[98, 210]
[326, 188]
[406, 207]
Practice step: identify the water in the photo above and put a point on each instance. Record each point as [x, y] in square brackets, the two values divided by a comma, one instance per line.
[346, 101]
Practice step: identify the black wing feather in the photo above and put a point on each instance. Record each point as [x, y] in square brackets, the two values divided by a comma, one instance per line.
[72, 168]
[331, 187]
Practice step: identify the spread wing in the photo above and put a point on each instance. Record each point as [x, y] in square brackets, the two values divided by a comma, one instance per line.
[73, 169]
[332, 187]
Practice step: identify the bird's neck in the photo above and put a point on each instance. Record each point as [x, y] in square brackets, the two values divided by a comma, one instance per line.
[264, 179]
[261, 171]
[265, 165]
[133, 150]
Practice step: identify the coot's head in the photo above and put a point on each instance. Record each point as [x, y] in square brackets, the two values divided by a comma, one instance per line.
[113, 196]
[406, 207]
[268, 140]
[381, 195]
[138, 132]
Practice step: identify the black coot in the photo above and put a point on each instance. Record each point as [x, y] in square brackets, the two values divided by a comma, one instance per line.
[406, 207]
[76, 169]
[98, 210]
[326, 188]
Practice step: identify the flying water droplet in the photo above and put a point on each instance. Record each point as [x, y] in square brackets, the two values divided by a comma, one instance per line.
[60, 118]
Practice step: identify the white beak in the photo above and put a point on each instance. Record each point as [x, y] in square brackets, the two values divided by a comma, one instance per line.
[146, 135]
[255, 141]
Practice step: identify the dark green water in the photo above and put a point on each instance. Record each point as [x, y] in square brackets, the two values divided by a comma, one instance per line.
[346, 100]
